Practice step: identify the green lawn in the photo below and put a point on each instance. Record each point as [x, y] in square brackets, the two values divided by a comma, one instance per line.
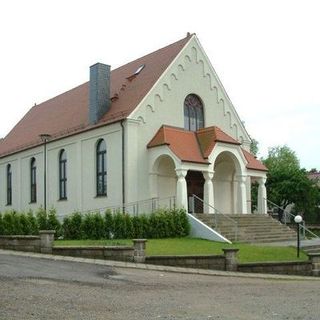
[191, 246]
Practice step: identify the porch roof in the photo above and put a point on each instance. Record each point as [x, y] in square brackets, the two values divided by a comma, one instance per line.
[196, 146]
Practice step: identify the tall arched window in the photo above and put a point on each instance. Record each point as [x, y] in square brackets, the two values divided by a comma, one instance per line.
[63, 175]
[33, 180]
[9, 185]
[101, 155]
[193, 113]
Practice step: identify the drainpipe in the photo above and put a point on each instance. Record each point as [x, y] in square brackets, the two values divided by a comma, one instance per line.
[123, 173]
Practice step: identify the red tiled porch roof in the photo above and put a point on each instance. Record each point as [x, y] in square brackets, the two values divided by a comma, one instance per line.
[190, 146]
[68, 113]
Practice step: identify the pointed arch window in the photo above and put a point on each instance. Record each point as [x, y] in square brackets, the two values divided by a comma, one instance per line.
[101, 173]
[33, 181]
[9, 185]
[193, 113]
[63, 175]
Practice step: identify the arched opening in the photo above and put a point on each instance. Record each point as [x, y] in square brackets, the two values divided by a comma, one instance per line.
[166, 177]
[226, 186]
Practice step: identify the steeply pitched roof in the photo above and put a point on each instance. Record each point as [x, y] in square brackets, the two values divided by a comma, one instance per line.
[196, 146]
[68, 112]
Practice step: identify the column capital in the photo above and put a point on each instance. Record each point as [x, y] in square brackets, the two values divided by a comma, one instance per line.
[181, 173]
[242, 178]
[262, 180]
[208, 175]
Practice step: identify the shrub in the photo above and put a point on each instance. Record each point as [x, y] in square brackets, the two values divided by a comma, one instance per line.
[1, 225]
[53, 223]
[34, 228]
[25, 224]
[42, 219]
[119, 231]
[93, 226]
[72, 227]
[108, 225]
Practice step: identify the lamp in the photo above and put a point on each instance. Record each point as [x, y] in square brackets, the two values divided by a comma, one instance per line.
[298, 220]
[45, 137]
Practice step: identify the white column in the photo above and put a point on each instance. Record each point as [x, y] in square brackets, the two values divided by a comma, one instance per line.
[208, 194]
[243, 194]
[262, 196]
[181, 194]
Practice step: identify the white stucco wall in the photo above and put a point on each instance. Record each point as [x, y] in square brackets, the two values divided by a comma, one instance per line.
[81, 173]
[191, 72]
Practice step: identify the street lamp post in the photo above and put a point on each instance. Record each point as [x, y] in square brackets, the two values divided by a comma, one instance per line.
[45, 137]
[297, 220]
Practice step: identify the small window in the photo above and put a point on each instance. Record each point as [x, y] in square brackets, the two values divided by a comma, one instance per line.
[63, 175]
[9, 185]
[139, 70]
[33, 181]
[101, 173]
[193, 113]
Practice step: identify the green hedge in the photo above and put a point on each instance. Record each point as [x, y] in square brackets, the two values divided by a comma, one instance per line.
[160, 224]
[29, 223]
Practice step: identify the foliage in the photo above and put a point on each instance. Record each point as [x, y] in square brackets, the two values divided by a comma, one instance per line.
[254, 146]
[14, 223]
[288, 184]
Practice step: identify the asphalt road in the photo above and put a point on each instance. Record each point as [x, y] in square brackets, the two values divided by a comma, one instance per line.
[32, 288]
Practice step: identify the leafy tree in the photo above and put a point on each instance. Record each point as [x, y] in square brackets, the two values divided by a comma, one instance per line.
[288, 184]
[254, 147]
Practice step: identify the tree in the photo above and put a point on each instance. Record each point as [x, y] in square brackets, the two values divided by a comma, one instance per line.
[288, 184]
[254, 146]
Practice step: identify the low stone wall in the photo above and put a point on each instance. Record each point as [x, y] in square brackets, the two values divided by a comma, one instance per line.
[198, 262]
[42, 243]
[118, 253]
[301, 268]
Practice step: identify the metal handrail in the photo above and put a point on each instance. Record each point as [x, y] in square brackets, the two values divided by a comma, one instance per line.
[154, 204]
[216, 211]
[302, 225]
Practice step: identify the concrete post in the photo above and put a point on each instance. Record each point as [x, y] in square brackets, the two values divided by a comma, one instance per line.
[46, 240]
[208, 192]
[182, 194]
[231, 259]
[139, 254]
[314, 258]
[262, 196]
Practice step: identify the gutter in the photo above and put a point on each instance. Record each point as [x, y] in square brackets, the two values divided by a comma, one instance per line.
[123, 167]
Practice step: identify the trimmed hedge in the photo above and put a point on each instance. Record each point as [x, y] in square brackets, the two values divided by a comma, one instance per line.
[160, 224]
[15, 223]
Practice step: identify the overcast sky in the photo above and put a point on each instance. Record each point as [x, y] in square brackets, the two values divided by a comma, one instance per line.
[266, 53]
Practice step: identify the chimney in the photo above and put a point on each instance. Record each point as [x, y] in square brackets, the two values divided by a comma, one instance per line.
[99, 94]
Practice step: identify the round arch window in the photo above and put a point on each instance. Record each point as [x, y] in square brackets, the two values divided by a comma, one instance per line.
[193, 113]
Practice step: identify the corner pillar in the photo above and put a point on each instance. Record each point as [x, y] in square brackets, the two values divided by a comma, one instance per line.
[181, 193]
[243, 194]
[208, 193]
[262, 196]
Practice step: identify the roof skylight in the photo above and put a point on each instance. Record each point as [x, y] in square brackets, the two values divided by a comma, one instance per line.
[139, 69]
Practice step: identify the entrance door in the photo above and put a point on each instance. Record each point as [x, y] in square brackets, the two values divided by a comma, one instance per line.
[195, 183]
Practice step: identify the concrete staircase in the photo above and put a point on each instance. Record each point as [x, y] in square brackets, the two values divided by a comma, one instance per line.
[253, 228]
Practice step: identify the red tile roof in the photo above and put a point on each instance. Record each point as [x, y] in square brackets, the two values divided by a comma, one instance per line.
[190, 146]
[253, 163]
[181, 142]
[68, 112]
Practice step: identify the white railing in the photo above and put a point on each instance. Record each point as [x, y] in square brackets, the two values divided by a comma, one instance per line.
[288, 217]
[197, 205]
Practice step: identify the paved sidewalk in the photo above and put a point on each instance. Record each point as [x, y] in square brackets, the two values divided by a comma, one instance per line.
[141, 266]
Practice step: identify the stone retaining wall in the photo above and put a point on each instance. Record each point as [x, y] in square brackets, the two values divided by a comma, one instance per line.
[303, 268]
[118, 253]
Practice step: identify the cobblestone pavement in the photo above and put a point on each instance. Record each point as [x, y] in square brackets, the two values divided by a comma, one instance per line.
[35, 288]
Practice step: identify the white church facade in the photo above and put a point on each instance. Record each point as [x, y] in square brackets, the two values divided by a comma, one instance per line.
[160, 127]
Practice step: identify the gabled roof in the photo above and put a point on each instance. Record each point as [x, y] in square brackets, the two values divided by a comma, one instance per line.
[68, 113]
[253, 163]
[196, 146]
[181, 142]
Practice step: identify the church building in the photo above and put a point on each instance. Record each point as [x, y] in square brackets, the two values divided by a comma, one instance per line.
[155, 131]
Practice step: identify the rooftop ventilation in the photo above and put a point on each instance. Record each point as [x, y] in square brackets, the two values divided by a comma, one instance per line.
[136, 72]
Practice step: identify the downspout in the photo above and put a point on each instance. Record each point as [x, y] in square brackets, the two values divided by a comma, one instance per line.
[123, 172]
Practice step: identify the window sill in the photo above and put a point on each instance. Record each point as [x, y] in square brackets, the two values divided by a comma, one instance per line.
[32, 202]
[62, 199]
[101, 196]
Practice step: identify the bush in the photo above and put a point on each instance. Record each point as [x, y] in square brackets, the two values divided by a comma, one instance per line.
[108, 225]
[93, 226]
[72, 227]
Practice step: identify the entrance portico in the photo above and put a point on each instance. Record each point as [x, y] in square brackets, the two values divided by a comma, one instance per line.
[221, 178]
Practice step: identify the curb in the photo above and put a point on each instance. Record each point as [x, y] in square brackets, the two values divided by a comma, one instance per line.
[150, 267]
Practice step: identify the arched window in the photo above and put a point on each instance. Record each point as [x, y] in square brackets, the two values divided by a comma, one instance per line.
[193, 113]
[9, 185]
[33, 180]
[101, 155]
[63, 175]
